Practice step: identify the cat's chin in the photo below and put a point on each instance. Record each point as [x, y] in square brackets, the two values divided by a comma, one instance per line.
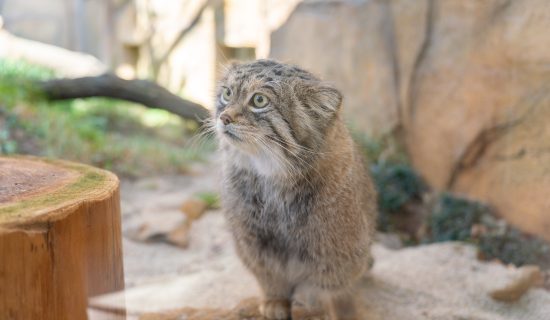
[267, 167]
[231, 137]
[250, 159]
[237, 144]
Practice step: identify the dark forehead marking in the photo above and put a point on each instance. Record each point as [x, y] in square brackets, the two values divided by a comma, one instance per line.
[264, 62]
[240, 78]
[268, 71]
[270, 88]
[263, 76]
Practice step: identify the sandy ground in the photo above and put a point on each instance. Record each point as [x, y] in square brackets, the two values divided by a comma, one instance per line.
[439, 281]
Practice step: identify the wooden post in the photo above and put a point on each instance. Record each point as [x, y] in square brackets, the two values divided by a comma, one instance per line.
[60, 238]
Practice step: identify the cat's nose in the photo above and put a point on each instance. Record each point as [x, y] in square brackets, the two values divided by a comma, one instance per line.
[226, 119]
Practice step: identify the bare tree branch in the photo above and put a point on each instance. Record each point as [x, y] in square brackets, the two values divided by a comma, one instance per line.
[157, 61]
[109, 85]
[183, 32]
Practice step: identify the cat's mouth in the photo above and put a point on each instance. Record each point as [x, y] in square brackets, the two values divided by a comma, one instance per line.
[231, 135]
[228, 131]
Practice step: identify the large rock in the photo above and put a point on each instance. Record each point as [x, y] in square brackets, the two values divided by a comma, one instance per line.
[349, 43]
[479, 111]
[466, 81]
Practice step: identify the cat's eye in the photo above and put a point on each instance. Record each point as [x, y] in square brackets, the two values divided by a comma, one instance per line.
[259, 101]
[226, 95]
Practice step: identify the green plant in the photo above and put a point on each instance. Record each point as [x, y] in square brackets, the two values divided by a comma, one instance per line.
[124, 137]
[512, 246]
[452, 218]
[17, 81]
[383, 149]
[397, 184]
[211, 199]
[396, 181]
[7, 144]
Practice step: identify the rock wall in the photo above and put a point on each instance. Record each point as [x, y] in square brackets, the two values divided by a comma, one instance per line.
[348, 42]
[467, 82]
[79, 25]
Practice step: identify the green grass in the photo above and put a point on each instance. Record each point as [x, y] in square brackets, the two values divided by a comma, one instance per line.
[126, 138]
[211, 199]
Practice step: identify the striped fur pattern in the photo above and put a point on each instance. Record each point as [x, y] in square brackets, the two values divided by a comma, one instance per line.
[296, 192]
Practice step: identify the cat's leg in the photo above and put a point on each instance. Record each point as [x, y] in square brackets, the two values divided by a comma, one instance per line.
[339, 290]
[275, 308]
[270, 274]
[278, 292]
[309, 303]
[343, 306]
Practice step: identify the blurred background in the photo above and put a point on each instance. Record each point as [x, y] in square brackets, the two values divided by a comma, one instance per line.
[449, 100]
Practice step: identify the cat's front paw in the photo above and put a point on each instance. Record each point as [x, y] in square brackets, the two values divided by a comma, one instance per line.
[275, 309]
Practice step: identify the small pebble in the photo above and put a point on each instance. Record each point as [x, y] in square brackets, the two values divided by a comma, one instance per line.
[529, 276]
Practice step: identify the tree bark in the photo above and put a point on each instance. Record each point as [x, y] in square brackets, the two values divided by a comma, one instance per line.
[109, 85]
[60, 238]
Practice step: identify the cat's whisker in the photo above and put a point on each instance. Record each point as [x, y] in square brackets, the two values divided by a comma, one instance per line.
[295, 155]
[289, 168]
[292, 169]
[303, 162]
[292, 144]
[198, 141]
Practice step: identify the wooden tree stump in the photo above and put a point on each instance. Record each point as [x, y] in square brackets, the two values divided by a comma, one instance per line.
[60, 238]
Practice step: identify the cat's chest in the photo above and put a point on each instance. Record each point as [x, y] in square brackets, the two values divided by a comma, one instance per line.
[265, 204]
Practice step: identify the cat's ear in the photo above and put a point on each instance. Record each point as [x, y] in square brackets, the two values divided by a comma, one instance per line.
[229, 66]
[233, 64]
[325, 97]
[330, 97]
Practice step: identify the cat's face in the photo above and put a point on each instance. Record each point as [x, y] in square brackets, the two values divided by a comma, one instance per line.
[273, 111]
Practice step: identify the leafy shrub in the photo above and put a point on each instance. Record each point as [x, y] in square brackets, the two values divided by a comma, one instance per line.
[124, 137]
[16, 82]
[452, 218]
[512, 246]
[397, 184]
[396, 181]
[377, 150]
[7, 144]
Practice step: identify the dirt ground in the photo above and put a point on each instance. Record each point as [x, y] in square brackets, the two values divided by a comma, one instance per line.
[206, 280]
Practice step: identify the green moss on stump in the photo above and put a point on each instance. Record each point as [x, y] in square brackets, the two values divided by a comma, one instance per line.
[90, 179]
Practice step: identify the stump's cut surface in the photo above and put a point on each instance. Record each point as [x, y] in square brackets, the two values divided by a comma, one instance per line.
[60, 238]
